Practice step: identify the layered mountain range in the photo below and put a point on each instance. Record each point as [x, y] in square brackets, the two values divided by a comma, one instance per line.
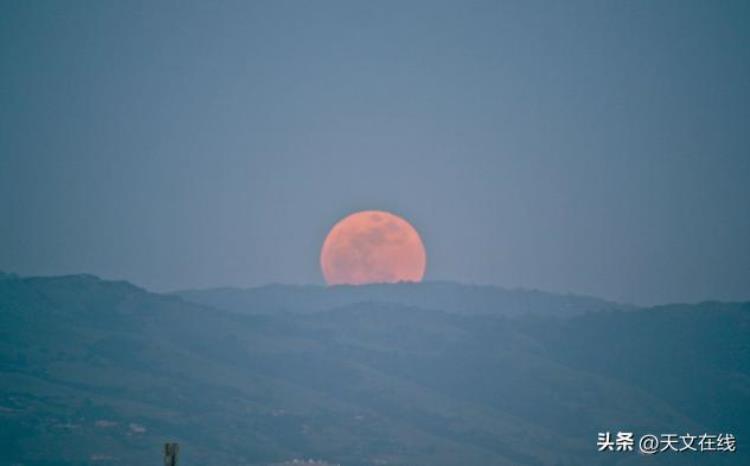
[95, 371]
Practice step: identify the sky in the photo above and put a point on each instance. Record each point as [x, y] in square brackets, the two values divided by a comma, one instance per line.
[593, 147]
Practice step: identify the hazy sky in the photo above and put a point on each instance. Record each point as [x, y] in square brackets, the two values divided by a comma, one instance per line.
[592, 147]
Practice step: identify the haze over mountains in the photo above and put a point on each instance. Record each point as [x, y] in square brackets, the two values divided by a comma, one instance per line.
[95, 371]
[446, 296]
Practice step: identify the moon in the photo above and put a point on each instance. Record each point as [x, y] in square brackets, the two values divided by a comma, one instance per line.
[372, 246]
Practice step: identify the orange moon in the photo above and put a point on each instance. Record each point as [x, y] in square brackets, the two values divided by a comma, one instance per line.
[372, 246]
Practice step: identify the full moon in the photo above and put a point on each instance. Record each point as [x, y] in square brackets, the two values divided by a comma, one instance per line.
[372, 246]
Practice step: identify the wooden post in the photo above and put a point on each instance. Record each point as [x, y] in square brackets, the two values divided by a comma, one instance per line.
[170, 453]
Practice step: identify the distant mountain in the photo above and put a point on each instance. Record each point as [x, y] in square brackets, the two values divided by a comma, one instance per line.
[444, 296]
[99, 372]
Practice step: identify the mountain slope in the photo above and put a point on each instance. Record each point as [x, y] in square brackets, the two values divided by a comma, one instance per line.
[445, 296]
[103, 372]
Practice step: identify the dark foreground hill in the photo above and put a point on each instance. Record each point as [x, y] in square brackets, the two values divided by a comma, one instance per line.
[103, 372]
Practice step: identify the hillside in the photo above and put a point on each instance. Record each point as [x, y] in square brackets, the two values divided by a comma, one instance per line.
[102, 372]
[444, 296]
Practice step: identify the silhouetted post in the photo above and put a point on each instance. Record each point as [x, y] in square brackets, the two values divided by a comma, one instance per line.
[170, 454]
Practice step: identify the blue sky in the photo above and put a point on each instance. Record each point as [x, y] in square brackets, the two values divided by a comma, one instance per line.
[590, 147]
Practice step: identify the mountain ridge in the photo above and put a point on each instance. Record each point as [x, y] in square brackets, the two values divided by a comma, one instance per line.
[442, 295]
[103, 371]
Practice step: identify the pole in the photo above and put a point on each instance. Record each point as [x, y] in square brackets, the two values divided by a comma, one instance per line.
[170, 453]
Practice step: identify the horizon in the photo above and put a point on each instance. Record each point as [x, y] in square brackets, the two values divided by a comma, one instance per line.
[423, 283]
